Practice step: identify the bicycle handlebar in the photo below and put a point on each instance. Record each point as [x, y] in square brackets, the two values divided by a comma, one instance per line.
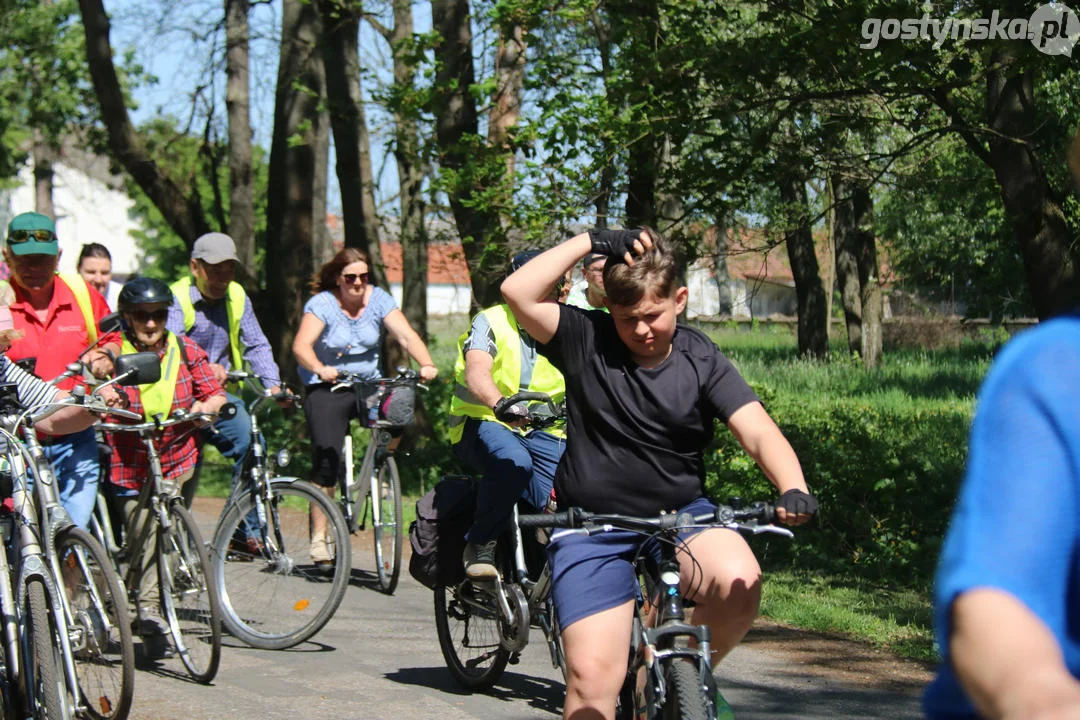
[227, 411]
[536, 418]
[405, 376]
[286, 393]
[755, 519]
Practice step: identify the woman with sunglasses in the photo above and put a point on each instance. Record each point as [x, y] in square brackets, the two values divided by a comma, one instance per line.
[187, 382]
[341, 330]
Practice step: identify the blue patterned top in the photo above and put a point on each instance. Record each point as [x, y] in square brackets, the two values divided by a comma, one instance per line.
[346, 343]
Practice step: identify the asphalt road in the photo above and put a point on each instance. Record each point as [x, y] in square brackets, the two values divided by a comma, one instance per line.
[379, 658]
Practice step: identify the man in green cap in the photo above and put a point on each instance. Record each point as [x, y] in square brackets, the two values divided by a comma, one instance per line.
[58, 316]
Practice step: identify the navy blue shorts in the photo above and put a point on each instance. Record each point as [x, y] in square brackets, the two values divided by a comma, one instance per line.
[593, 573]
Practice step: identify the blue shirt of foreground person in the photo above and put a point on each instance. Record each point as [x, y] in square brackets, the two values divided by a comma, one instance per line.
[213, 310]
[1007, 598]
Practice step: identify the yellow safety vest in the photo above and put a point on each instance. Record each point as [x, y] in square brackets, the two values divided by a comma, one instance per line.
[157, 398]
[81, 292]
[234, 310]
[506, 371]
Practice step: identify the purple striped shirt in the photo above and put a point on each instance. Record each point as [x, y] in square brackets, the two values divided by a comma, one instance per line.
[211, 333]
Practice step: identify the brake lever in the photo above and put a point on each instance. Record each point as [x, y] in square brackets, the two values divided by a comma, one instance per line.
[754, 529]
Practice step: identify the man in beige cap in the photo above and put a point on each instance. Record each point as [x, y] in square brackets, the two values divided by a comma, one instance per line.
[217, 314]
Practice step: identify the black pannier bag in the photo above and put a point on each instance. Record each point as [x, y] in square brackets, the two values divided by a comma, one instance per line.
[437, 535]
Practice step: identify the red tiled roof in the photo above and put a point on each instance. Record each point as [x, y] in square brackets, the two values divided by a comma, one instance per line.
[446, 264]
[749, 257]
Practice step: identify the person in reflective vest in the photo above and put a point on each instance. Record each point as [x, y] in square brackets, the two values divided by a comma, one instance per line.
[57, 314]
[187, 383]
[496, 359]
[213, 310]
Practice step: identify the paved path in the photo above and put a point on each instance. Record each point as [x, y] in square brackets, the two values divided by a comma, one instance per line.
[379, 658]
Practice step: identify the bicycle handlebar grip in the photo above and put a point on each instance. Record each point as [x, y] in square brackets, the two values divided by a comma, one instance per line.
[227, 411]
[542, 520]
[566, 519]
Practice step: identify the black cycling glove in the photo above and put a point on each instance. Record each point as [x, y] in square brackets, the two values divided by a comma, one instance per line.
[797, 502]
[510, 412]
[614, 243]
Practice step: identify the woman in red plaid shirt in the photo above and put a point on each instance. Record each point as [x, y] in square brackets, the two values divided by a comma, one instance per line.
[187, 383]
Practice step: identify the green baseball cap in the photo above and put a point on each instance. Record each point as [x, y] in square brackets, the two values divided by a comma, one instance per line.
[32, 233]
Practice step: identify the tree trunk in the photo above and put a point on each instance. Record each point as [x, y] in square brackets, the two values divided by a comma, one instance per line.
[351, 142]
[321, 244]
[462, 151]
[184, 213]
[1047, 245]
[813, 339]
[869, 276]
[506, 105]
[411, 170]
[846, 232]
[238, 108]
[44, 157]
[291, 201]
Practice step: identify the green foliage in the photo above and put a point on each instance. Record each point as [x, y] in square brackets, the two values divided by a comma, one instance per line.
[44, 84]
[201, 166]
[883, 450]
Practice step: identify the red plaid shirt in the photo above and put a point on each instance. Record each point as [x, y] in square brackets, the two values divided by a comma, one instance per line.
[178, 446]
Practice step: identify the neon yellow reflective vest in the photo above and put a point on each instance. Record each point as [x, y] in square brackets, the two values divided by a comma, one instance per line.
[234, 310]
[157, 398]
[507, 371]
[82, 298]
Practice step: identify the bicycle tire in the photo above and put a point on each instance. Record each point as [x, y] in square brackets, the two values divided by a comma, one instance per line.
[104, 654]
[388, 535]
[468, 632]
[686, 699]
[44, 674]
[189, 597]
[280, 598]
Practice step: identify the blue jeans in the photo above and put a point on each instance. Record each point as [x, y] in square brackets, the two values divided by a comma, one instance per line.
[514, 466]
[75, 459]
[232, 438]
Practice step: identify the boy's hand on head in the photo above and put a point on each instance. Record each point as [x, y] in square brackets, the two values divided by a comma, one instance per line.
[796, 507]
[619, 243]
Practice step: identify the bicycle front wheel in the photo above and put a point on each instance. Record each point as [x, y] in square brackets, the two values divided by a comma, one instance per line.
[386, 523]
[467, 624]
[100, 631]
[45, 676]
[273, 594]
[189, 598]
[686, 698]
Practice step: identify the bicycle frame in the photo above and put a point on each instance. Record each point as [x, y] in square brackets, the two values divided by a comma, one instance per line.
[357, 486]
[154, 500]
[36, 510]
[660, 624]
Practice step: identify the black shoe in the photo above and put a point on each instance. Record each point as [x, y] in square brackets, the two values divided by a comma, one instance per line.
[479, 561]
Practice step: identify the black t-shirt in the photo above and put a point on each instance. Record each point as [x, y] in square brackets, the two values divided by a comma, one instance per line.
[636, 436]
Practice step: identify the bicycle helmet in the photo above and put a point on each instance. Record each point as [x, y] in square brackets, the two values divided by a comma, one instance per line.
[521, 258]
[144, 291]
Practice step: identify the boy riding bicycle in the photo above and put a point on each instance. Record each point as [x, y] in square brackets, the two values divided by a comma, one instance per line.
[642, 396]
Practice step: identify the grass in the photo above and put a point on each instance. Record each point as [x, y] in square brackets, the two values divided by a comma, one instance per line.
[897, 620]
[892, 618]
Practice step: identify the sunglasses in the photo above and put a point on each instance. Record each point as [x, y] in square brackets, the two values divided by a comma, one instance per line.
[16, 237]
[351, 278]
[144, 316]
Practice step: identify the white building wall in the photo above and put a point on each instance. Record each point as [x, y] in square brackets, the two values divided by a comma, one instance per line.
[87, 210]
[441, 299]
